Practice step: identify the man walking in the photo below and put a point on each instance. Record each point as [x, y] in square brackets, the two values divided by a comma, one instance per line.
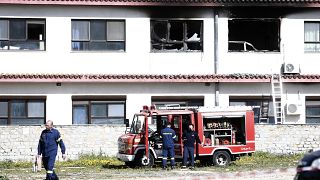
[168, 135]
[48, 147]
[189, 138]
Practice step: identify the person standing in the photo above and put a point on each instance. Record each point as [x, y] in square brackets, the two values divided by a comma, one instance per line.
[168, 136]
[189, 138]
[49, 140]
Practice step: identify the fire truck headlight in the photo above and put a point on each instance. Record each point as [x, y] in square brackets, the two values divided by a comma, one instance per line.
[316, 164]
[129, 147]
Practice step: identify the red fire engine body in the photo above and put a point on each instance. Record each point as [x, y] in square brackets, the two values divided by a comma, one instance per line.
[226, 134]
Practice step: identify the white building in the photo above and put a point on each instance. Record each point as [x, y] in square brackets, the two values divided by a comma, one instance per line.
[89, 62]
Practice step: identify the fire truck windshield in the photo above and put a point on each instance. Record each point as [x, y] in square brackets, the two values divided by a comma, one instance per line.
[137, 125]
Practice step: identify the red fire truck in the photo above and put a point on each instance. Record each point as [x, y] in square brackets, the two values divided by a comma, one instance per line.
[227, 133]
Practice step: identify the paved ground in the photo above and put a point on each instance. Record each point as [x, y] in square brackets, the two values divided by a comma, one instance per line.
[198, 174]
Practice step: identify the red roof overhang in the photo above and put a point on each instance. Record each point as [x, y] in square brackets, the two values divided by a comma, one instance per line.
[149, 78]
[200, 3]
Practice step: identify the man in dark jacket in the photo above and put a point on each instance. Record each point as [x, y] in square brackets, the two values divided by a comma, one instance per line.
[189, 138]
[168, 136]
[50, 138]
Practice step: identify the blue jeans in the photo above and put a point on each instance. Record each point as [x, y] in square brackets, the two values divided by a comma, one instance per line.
[165, 152]
[188, 152]
[48, 163]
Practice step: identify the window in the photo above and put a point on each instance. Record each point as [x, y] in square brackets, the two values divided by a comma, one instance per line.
[312, 112]
[262, 107]
[254, 35]
[176, 35]
[98, 35]
[164, 101]
[22, 34]
[22, 112]
[311, 36]
[98, 112]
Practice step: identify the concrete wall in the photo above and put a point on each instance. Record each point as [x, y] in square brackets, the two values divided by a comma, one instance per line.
[20, 142]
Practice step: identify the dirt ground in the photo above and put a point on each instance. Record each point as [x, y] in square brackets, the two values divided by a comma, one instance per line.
[104, 173]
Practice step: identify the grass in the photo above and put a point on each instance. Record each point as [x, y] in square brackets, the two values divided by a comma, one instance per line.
[102, 167]
[263, 161]
[259, 160]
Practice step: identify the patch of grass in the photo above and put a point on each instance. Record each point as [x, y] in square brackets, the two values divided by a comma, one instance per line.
[262, 160]
[19, 164]
[91, 161]
[3, 177]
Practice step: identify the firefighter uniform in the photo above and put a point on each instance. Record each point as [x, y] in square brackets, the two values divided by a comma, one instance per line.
[168, 135]
[189, 137]
[48, 147]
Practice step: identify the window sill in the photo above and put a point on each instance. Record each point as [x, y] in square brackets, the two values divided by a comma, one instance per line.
[104, 51]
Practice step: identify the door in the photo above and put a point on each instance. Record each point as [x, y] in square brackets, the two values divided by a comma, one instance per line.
[177, 127]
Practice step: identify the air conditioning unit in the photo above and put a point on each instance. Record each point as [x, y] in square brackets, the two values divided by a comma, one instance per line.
[291, 68]
[293, 108]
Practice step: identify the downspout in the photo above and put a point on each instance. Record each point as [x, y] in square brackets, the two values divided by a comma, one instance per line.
[215, 56]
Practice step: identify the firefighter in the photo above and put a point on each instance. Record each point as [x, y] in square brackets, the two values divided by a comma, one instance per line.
[189, 138]
[168, 136]
[49, 140]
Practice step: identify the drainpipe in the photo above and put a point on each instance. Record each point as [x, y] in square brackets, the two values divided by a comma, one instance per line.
[215, 50]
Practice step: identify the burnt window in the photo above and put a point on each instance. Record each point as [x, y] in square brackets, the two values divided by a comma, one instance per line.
[254, 35]
[312, 36]
[176, 35]
[22, 34]
[98, 35]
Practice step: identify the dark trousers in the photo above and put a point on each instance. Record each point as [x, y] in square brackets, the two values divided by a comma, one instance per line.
[188, 152]
[169, 151]
[48, 163]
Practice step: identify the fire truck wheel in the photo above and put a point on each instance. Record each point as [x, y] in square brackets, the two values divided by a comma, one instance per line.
[142, 161]
[221, 158]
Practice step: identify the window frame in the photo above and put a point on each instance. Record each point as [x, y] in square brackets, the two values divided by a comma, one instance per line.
[90, 40]
[9, 42]
[313, 105]
[310, 42]
[259, 100]
[91, 102]
[26, 101]
[184, 41]
[248, 43]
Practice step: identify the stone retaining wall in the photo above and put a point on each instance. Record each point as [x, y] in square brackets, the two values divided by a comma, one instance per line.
[287, 139]
[20, 142]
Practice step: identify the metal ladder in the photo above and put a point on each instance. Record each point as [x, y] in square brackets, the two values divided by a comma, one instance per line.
[276, 84]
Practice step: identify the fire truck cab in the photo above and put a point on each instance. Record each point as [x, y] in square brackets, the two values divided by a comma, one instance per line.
[227, 133]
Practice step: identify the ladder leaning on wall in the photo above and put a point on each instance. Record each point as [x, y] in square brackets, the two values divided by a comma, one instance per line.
[276, 85]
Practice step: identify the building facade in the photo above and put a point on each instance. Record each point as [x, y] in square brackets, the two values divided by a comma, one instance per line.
[98, 62]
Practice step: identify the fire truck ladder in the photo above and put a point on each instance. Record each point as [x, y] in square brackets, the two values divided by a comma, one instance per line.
[276, 84]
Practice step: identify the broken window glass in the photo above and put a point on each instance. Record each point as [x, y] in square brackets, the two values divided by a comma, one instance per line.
[254, 35]
[22, 34]
[176, 35]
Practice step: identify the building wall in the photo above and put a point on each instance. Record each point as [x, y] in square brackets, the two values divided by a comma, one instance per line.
[20, 142]
[59, 98]
[137, 58]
